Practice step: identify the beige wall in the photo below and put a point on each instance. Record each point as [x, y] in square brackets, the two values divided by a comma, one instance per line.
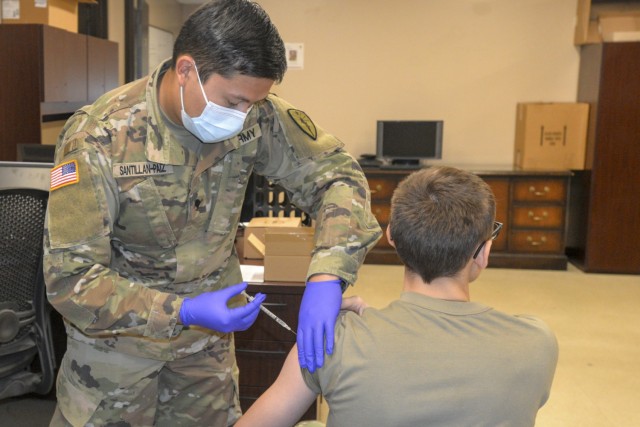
[164, 14]
[116, 31]
[467, 62]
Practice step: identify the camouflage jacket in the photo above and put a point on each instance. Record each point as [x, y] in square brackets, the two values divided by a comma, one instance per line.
[142, 214]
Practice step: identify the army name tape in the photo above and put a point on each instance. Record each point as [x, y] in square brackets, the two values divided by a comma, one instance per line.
[125, 170]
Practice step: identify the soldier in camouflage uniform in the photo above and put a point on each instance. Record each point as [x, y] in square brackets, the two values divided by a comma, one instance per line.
[145, 200]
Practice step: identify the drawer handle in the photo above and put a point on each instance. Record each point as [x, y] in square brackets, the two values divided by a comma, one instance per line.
[544, 192]
[245, 350]
[542, 241]
[378, 188]
[533, 216]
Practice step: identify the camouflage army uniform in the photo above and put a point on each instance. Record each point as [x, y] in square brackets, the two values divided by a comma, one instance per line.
[149, 218]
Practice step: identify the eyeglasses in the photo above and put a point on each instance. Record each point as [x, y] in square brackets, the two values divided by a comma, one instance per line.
[497, 226]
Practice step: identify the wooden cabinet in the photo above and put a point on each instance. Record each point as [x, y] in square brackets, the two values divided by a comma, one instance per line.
[64, 63]
[531, 205]
[605, 207]
[262, 349]
[102, 66]
[537, 213]
[46, 73]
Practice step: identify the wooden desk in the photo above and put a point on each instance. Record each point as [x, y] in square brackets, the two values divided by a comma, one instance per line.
[532, 205]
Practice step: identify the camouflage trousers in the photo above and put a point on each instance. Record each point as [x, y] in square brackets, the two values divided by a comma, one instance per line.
[98, 389]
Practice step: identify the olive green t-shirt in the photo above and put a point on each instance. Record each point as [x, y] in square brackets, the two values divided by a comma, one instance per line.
[429, 362]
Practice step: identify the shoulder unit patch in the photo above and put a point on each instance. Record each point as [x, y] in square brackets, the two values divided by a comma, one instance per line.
[304, 122]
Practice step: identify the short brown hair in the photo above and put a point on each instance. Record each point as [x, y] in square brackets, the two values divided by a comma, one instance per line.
[439, 217]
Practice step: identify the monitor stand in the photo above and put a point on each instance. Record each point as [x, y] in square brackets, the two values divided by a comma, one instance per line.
[404, 164]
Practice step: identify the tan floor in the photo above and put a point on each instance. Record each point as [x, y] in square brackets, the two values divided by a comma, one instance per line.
[596, 318]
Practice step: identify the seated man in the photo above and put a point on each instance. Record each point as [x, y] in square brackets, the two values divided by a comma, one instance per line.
[432, 357]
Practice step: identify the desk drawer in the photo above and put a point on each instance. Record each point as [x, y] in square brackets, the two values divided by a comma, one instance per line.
[249, 395]
[382, 212]
[536, 241]
[286, 307]
[382, 187]
[538, 216]
[535, 190]
[500, 188]
[260, 362]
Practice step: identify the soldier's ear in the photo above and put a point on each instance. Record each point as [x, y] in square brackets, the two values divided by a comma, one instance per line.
[184, 68]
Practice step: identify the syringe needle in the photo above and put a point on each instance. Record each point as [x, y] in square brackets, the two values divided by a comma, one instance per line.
[268, 312]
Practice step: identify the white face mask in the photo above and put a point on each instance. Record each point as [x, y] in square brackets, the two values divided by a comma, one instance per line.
[216, 123]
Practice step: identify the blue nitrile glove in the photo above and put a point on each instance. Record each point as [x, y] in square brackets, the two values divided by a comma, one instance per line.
[318, 312]
[210, 310]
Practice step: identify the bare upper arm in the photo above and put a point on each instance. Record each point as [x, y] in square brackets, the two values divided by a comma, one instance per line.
[285, 401]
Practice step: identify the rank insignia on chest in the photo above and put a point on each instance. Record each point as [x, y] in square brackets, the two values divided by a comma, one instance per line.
[64, 174]
[304, 122]
[129, 170]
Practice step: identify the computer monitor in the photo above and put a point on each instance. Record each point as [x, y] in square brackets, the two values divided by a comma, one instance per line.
[405, 143]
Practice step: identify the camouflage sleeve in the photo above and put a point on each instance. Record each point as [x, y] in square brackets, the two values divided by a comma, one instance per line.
[323, 180]
[77, 249]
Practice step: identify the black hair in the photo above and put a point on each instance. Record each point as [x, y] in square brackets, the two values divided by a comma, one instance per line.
[232, 36]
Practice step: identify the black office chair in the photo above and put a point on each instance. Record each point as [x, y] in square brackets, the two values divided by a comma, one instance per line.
[27, 357]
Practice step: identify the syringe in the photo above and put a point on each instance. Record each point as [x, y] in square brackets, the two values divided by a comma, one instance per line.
[266, 311]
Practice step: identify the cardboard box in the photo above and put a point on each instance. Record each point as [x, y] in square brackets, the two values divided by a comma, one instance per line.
[621, 28]
[551, 135]
[288, 253]
[286, 268]
[57, 13]
[598, 21]
[254, 234]
[289, 240]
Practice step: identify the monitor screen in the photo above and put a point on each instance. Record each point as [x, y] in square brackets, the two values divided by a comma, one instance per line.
[409, 141]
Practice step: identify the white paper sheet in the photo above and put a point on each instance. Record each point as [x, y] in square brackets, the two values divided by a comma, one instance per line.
[252, 273]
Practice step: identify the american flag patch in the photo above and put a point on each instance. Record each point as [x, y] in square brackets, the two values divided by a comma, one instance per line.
[64, 174]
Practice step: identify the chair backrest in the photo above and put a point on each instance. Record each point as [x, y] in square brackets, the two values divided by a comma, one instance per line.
[25, 330]
[266, 199]
[21, 230]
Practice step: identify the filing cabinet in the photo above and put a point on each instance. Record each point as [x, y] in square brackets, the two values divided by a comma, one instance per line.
[532, 205]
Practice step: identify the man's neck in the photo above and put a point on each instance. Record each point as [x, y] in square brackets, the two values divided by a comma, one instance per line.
[445, 288]
[169, 96]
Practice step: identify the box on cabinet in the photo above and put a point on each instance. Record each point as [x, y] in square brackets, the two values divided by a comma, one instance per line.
[57, 13]
[551, 135]
[254, 234]
[288, 253]
[620, 28]
[607, 21]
